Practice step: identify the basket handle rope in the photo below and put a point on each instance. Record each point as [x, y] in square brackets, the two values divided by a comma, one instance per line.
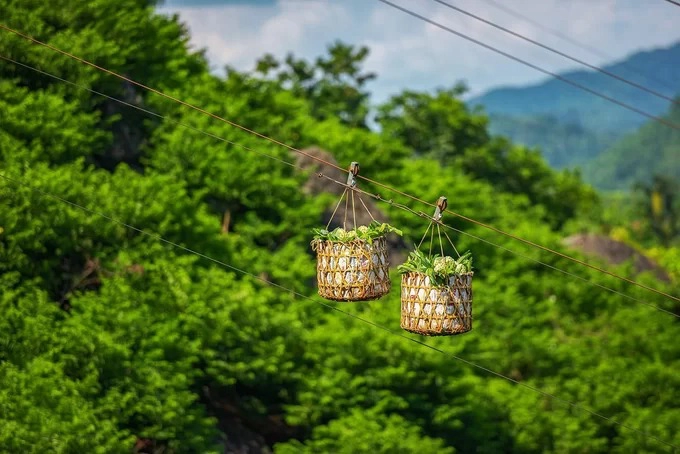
[440, 207]
[351, 185]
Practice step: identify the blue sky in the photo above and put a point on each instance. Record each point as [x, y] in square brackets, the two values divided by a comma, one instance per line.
[408, 53]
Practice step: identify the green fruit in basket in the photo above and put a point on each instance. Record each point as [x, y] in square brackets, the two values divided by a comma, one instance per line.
[443, 265]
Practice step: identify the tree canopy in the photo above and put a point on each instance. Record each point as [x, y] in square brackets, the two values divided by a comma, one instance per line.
[113, 341]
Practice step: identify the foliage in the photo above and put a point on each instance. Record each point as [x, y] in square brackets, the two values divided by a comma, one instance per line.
[441, 126]
[669, 259]
[114, 341]
[334, 85]
[573, 128]
[646, 217]
[571, 105]
[367, 431]
[366, 233]
[563, 143]
[660, 205]
[436, 267]
[651, 150]
[436, 125]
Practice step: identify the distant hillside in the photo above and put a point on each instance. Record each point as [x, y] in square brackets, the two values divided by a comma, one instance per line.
[562, 144]
[571, 105]
[572, 126]
[653, 149]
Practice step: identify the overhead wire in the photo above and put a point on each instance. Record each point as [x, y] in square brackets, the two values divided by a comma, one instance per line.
[158, 237]
[377, 197]
[558, 52]
[289, 147]
[316, 158]
[147, 111]
[296, 150]
[673, 2]
[322, 175]
[554, 268]
[390, 202]
[531, 65]
[566, 38]
[331, 307]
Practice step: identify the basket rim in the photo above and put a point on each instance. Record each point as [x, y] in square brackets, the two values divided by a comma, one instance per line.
[356, 240]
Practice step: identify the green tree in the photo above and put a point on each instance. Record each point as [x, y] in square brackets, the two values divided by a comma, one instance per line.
[334, 85]
[659, 205]
[637, 157]
[439, 125]
[367, 432]
[113, 341]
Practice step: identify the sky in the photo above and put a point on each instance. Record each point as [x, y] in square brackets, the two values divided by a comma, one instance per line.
[408, 53]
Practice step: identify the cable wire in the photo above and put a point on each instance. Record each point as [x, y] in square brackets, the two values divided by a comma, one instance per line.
[150, 112]
[291, 148]
[321, 175]
[547, 265]
[558, 52]
[399, 206]
[369, 322]
[572, 41]
[531, 65]
[673, 2]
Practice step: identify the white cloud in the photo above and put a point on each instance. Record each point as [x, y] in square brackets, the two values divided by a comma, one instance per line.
[408, 53]
[238, 35]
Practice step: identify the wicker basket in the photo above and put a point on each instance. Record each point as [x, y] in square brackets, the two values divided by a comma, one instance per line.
[436, 310]
[352, 271]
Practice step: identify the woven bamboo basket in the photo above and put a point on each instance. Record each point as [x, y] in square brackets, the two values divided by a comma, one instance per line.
[352, 271]
[436, 310]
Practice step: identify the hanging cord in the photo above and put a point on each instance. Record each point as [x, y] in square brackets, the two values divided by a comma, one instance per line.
[424, 235]
[344, 219]
[388, 201]
[354, 213]
[366, 208]
[305, 297]
[441, 205]
[441, 245]
[289, 147]
[440, 208]
[336, 209]
[353, 171]
[431, 238]
[450, 242]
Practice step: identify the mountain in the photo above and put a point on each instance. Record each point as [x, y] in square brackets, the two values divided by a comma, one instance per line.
[563, 144]
[572, 126]
[654, 149]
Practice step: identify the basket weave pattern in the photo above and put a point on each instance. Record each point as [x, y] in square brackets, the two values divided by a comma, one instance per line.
[436, 310]
[352, 271]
